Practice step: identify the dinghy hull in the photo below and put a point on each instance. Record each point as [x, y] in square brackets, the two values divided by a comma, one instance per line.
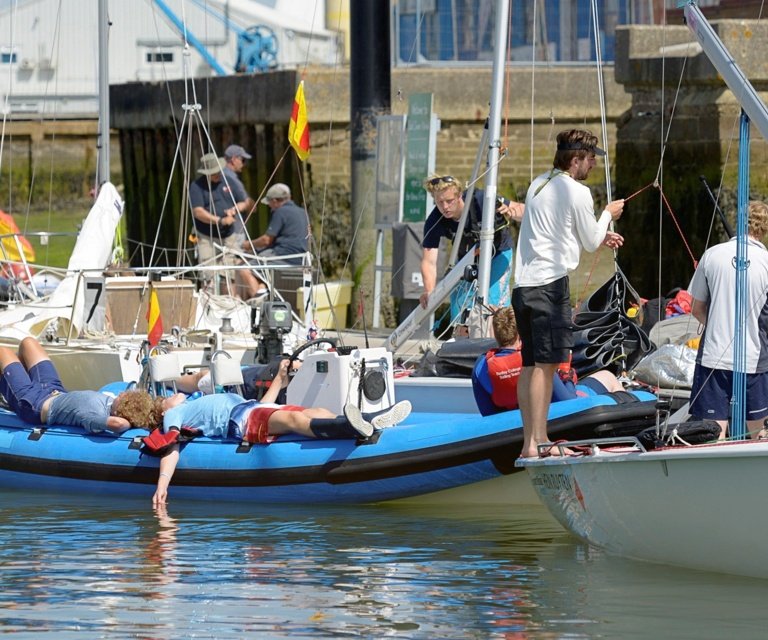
[698, 507]
[428, 453]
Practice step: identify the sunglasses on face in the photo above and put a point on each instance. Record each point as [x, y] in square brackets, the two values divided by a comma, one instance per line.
[436, 181]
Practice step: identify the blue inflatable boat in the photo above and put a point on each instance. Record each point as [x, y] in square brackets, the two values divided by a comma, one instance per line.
[427, 453]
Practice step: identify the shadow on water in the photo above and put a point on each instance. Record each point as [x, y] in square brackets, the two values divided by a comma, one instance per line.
[92, 567]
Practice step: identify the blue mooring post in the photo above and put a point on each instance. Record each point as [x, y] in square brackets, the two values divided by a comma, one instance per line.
[738, 401]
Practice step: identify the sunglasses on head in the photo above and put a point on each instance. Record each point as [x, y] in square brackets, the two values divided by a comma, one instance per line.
[435, 181]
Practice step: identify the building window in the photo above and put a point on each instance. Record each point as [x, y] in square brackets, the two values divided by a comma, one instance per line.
[159, 56]
[8, 55]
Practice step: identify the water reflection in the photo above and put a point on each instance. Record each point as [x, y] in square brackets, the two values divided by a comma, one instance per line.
[116, 567]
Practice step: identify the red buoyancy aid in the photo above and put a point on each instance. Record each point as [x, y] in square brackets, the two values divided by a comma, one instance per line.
[504, 372]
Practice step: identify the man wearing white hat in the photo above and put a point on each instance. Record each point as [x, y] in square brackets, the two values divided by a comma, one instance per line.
[215, 204]
[287, 235]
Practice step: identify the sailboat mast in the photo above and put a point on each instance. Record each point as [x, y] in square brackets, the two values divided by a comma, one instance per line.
[494, 144]
[102, 140]
[753, 109]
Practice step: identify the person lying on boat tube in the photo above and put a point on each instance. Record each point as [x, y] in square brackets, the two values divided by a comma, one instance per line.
[443, 222]
[257, 422]
[497, 372]
[33, 390]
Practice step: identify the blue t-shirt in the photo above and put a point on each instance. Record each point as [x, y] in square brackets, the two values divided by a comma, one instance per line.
[216, 199]
[238, 188]
[87, 409]
[290, 229]
[210, 414]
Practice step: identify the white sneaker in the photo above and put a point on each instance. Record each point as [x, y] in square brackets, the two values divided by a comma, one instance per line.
[395, 414]
[258, 298]
[359, 424]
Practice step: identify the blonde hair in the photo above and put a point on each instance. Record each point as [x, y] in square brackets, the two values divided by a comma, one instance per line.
[758, 219]
[139, 408]
[437, 184]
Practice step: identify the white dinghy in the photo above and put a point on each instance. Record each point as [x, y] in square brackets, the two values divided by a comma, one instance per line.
[700, 506]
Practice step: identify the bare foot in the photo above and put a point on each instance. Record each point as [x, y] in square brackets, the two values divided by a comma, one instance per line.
[554, 449]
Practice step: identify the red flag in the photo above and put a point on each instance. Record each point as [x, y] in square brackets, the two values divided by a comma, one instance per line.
[298, 129]
[154, 320]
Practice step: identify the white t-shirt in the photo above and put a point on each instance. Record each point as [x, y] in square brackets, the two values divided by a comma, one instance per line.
[714, 283]
[559, 222]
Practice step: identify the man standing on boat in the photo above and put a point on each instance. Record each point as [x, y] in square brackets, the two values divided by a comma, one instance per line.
[287, 234]
[559, 222]
[443, 222]
[235, 157]
[712, 288]
[215, 205]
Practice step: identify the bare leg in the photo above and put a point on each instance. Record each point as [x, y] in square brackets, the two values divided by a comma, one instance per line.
[248, 284]
[608, 380]
[189, 383]
[31, 352]
[295, 421]
[7, 356]
[534, 392]
[724, 428]
[754, 427]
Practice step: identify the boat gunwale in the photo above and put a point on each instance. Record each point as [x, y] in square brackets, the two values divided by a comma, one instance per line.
[500, 448]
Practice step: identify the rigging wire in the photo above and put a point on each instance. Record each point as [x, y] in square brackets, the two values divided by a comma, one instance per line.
[55, 48]
[601, 97]
[533, 83]
[14, 11]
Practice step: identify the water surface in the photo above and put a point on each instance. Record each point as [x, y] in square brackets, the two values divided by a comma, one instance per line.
[95, 568]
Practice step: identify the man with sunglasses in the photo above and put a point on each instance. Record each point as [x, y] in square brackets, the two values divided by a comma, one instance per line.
[559, 222]
[443, 222]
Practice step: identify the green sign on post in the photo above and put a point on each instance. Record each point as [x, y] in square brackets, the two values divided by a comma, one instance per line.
[417, 131]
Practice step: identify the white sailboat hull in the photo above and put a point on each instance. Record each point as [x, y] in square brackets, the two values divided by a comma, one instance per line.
[701, 507]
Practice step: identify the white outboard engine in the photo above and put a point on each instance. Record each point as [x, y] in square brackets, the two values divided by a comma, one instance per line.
[331, 379]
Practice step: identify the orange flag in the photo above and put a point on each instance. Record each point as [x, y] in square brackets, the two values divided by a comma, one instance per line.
[154, 320]
[298, 129]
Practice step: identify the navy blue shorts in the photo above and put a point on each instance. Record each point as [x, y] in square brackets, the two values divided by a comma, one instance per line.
[25, 392]
[712, 390]
[591, 386]
[543, 317]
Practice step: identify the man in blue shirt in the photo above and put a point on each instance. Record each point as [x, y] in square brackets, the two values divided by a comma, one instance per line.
[235, 157]
[215, 208]
[287, 235]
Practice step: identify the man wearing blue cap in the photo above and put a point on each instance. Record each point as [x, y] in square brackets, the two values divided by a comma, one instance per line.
[235, 157]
